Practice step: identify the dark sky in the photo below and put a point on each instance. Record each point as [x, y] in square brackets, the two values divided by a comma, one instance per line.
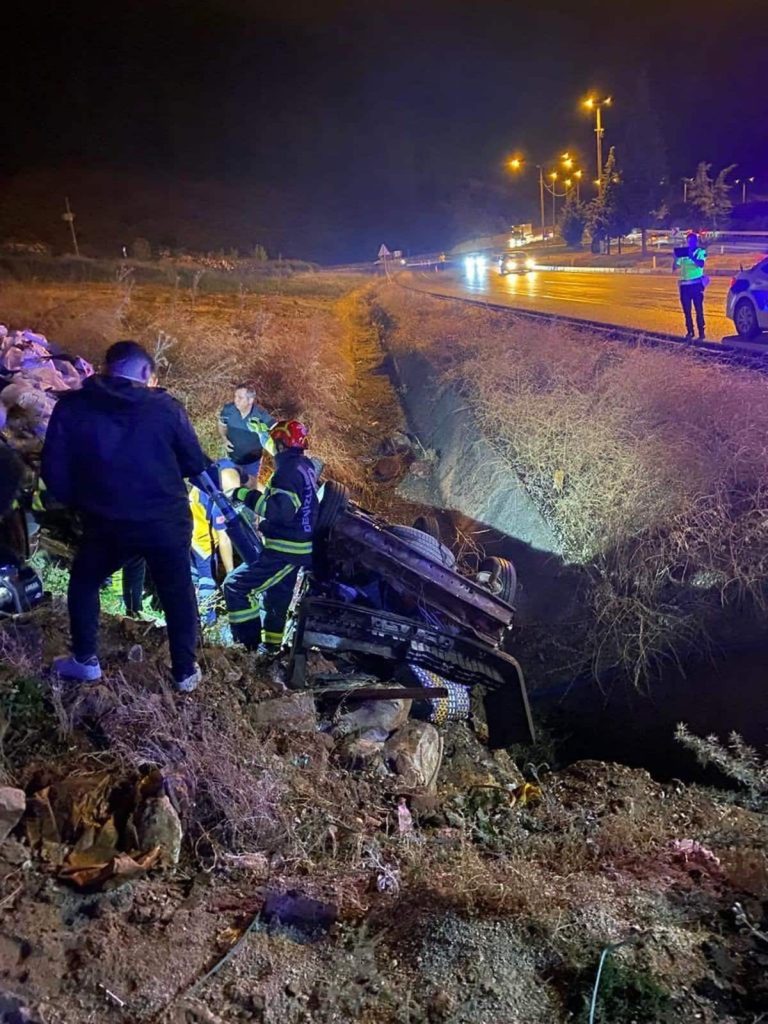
[369, 115]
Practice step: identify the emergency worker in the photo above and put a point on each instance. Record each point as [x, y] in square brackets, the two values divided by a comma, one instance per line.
[209, 538]
[288, 509]
[692, 282]
[244, 426]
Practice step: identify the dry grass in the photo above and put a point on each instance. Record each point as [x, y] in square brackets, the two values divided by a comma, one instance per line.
[294, 347]
[651, 465]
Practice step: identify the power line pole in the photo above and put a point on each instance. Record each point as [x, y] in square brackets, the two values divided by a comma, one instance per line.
[69, 217]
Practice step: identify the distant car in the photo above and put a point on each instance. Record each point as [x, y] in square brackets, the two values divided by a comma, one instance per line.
[515, 262]
[747, 303]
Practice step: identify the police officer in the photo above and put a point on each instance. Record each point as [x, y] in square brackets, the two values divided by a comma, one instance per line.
[288, 508]
[692, 282]
[245, 426]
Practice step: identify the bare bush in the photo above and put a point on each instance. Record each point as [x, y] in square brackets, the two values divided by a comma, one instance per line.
[649, 464]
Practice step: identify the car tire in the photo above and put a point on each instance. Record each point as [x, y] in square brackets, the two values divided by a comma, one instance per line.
[428, 525]
[334, 504]
[745, 319]
[499, 576]
[425, 545]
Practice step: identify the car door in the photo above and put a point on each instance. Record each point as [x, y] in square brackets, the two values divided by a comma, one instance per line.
[758, 289]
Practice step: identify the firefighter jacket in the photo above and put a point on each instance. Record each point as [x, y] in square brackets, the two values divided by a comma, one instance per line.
[289, 506]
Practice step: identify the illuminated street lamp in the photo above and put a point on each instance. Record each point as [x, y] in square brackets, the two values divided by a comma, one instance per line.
[744, 182]
[597, 104]
[516, 164]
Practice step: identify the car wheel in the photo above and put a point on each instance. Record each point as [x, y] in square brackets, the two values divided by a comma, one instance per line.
[427, 524]
[498, 575]
[745, 319]
[425, 545]
[334, 503]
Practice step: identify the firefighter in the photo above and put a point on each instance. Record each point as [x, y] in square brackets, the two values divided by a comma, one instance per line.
[288, 509]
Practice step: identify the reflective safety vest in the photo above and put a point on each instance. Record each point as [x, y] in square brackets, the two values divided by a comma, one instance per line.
[691, 272]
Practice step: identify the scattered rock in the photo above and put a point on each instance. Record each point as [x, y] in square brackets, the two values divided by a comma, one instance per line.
[294, 712]
[319, 665]
[13, 803]
[392, 467]
[158, 824]
[310, 917]
[13, 1011]
[398, 443]
[258, 863]
[357, 752]
[415, 752]
[376, 718]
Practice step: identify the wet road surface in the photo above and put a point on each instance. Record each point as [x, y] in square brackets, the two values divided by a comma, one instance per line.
[645, 301]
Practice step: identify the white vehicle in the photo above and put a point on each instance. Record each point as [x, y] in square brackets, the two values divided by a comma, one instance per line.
[747, 303]
[515, 262]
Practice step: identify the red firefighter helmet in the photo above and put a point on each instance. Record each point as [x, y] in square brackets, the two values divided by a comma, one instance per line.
[291, 433]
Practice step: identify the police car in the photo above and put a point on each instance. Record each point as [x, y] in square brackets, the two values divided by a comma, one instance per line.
[747, 303]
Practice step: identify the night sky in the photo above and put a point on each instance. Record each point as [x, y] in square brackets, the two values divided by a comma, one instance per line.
[347, 124]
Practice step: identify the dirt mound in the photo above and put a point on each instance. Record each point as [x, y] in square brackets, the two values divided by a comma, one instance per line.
[315, 892]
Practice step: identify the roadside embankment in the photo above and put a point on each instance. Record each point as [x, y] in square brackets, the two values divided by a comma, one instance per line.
[647, 466]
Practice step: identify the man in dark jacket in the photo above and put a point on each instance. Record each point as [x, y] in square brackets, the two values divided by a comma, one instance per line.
[117, 451]
[288, 507]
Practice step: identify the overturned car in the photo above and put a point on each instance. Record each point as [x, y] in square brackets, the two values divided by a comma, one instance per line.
[395, 599]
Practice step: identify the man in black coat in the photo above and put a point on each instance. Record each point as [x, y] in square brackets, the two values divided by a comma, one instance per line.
[117, 451]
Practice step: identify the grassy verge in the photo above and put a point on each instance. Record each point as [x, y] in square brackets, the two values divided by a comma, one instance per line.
[651, 465]
[291, 344]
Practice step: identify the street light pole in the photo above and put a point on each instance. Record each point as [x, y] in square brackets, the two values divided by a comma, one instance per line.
[541, 198]
[597, 105]
[744, 182]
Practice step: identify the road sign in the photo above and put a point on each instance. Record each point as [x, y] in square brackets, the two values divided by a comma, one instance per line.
[383, 252]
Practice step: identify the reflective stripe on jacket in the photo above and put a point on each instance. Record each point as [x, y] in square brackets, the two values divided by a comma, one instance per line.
[288, 506]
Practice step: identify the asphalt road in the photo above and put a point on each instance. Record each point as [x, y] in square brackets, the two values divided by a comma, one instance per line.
[644, 301]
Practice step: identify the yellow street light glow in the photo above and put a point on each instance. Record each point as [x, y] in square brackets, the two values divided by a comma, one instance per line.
[567, 182]
[553, 175]
[515, 163]
[578, 174]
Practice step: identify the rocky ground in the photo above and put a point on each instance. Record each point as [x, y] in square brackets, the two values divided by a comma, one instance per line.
[248, 853]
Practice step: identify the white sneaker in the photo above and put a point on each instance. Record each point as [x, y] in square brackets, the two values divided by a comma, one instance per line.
[68, 667]
[191, 682]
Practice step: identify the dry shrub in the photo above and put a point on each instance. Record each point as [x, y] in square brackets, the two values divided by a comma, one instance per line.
[295, 348]
[650, 464]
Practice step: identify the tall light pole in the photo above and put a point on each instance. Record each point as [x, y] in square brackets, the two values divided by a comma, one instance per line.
[553, 190]
[597, 104]
[744, 182]
[516, 164]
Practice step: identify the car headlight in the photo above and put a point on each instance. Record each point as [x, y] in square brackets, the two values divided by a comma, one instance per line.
[511, 264]
[530, 264]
